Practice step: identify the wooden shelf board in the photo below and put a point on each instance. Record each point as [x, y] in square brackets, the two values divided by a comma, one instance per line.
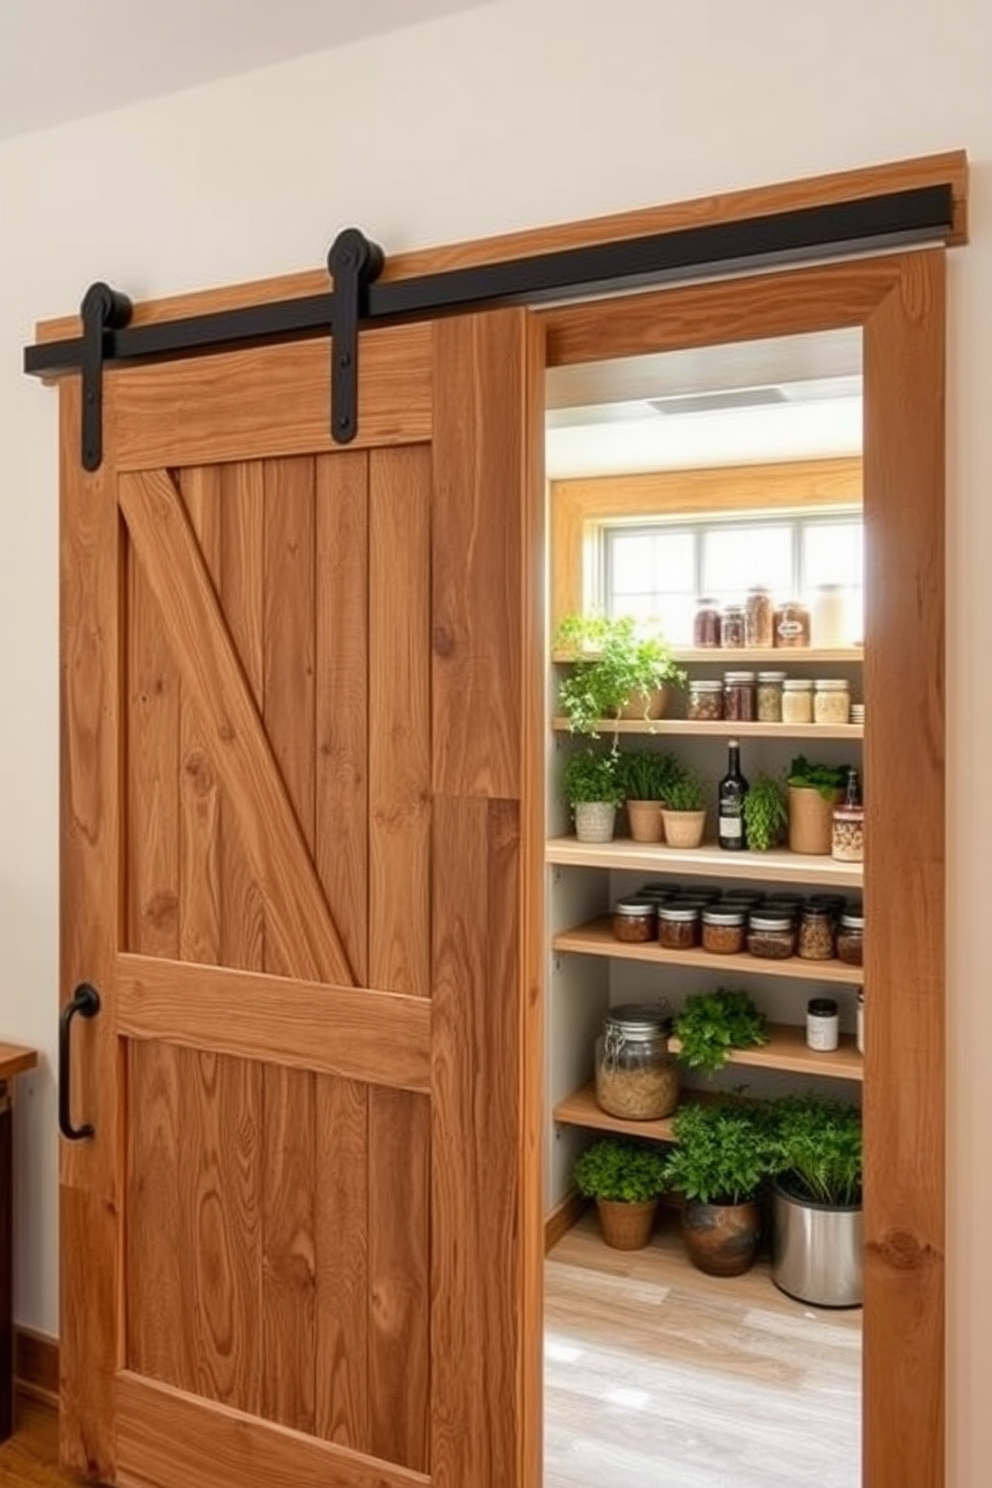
[596, 939]
[787, 1049]
[722, 729]
[708, 861]
[729, 656]
[581, 1109]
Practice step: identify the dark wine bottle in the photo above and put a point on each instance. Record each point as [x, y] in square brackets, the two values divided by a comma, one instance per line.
[731, 833]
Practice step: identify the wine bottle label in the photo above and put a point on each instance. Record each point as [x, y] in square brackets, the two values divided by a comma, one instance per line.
[730, 826]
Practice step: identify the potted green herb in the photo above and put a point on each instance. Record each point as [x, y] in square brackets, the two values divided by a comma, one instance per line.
[722, 1154]
[766, 817]
[817, 1242]
[625, 1178]
[617, 671]
[814, 791]
[711, 1024]
[589, 783]
[684, 811]
[644, 776]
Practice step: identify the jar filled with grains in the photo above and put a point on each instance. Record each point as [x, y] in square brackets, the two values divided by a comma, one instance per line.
[706, 625]
[831, 700]
[634, 921]
[739, 696]
[851, 937]
[847, 836]
[759, 618]
[678, 926]
[771, 935]
[791, 622]
[637, 1076]
[816, 934]
[770, 696]
[705, 700]
[732, 626]
[797, 700]
[724, 929]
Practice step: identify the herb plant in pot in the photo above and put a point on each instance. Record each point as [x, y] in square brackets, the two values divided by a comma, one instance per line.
[625, 1178]
[589, 782]
[722, 1155]
[644, 776]
[818, 1233]
[766, 816]
[814, 791]
[684, 811]
[711, 1024]
[618, 672]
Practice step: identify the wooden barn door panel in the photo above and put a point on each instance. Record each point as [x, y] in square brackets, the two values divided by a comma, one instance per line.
[319, 988]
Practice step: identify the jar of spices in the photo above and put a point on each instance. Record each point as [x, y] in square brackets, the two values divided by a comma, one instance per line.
[732, 626]
[705, 700]
[822, 1024]
[770, 686]
[759, 618]
[706, 625]
[797, 700]
[816, 934]
[851, 937]
[832, 700]
[634, 920]
[678, 926]
[724, 929]
[791, 623]
[637, 1076]
[738, 696]
[771, 934]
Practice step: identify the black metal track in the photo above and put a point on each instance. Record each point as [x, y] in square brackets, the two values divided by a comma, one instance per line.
[891, 220]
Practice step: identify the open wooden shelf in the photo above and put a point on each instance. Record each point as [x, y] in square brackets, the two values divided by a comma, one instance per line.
[723, 728]
[705, 862]
[732, 656]
[581, 1109]
[596, 939]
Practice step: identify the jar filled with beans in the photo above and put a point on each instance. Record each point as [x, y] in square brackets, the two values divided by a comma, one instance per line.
[678, 926]
[724, 929]
[634, 921]
[791, 623]
[732, 626]
[739, 696]
[816, 934]
[759, 618]
[705, 700]
[771, 935]
[850, 937]
[770, 686]
[706, 625]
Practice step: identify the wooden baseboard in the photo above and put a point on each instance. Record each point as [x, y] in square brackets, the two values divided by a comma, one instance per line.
[36, 1365]
[562, 1217]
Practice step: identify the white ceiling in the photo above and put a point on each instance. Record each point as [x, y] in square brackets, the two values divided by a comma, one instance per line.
[63, 59]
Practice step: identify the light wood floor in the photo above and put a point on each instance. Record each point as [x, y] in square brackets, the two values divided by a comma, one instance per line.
[31, 1456]
[657, 1376]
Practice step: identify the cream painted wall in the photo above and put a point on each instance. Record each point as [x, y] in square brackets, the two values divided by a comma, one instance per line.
[527, 112]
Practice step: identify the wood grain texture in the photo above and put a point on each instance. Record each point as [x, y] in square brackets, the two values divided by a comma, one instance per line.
[380, 1037]
[36, 1365]
[342, 702]
[167, 1437]
[562, 1217]
[89, 1348]
[341, 1201]
[221, 407]
[951, 167]
[399, 740]
[295, 907]
[15, 1059]
[578, 507]
[398, 1278]
[904, 1064]
[290, 1176]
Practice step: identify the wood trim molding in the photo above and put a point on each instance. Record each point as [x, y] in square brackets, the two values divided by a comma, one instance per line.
[36, 1365]
[579, 507]
[809, 191]
[562, 1217]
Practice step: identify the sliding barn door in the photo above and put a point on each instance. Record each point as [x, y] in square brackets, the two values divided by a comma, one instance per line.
[301, 825]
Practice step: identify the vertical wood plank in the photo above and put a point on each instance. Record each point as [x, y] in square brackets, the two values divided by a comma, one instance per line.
[399, 1297]
[342, 1282]
[289, 1177]
[399, 720]
[904, 967]
[342, 698]
[91, 922]
[202, 823]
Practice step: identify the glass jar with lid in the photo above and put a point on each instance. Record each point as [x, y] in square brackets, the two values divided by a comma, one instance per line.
[759, 618]
[678, 926]
[851, 937]
[724, 928]
[771, 934]
[637, 1076]
[769, 698]
[634, 920]
[831, 700]
[816, 933]
[705, 700]
[732, 628]
[738, 696]
[706, 625]
[797, 700]
[791, 623]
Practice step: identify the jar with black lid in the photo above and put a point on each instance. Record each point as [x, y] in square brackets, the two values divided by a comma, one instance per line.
[678, 926]
[815, 941]
[634, 920]
[850, 937]
[637, 1075]
[771, 934]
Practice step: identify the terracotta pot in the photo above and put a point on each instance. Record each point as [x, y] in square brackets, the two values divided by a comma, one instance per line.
[653, 707]
[626, 1226]
[811, 820]
[721, 1239]
[645, 820]
[594, 821]
[684, 828]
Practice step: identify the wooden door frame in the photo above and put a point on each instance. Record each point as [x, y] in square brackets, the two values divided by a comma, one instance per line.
[898, 303]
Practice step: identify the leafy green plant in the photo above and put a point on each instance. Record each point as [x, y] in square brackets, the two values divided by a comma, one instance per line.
[827, 779]
[818, 1149]
[589, 775]
[624, 1171]
[614, 663]
[646, 774]
[723, 1153]
[686, 793]
[713, 1023]
[766, 816]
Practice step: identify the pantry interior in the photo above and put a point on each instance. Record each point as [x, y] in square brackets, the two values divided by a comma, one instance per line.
[670, 475]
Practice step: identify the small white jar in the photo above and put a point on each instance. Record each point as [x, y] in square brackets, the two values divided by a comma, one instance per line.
[822, 1024]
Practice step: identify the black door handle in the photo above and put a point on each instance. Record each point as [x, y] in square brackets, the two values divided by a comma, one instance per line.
[86, 1002]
